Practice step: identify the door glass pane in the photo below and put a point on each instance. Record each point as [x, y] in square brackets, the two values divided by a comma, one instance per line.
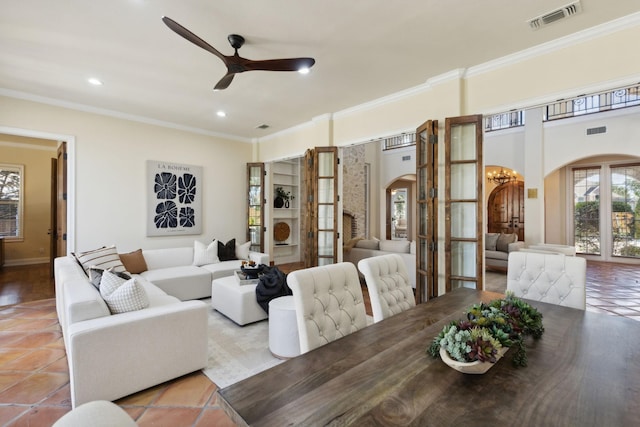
[463, 220]
[463, 259]
[625, 211]
[325, 243]
[586, 210]
[325, 217]
[422, 145]
[325, 191]
[423, 218]
[255, 175]
[423, 262]
[325, 164]
[463, 142]
[422, 183]
[464, 181]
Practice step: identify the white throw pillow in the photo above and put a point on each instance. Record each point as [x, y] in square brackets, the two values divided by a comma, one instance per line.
[242, 251]
[103, 258]
[122, 295]
[203, 254]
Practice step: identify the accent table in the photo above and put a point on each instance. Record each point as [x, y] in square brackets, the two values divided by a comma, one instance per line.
[284, 340]
[584, 371]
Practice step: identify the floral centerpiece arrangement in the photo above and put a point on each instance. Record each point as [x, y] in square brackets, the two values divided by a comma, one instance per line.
[487, 329]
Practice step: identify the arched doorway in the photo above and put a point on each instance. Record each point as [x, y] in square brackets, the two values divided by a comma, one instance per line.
[399, 208]
[505, 209]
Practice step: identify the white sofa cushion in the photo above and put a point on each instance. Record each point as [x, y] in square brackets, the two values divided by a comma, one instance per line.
[185, 282]
[222, 268]
[169, 257]
[399, 246]
[368, 244]
[122, 295]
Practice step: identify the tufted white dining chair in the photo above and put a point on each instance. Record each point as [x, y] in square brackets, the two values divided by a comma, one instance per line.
[329, 303]
[389, 286]
[552, 278]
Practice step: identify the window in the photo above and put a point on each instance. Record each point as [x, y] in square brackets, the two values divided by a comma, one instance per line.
[11, 200]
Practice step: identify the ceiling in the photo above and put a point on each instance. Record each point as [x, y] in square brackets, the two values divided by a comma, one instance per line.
[364, 50]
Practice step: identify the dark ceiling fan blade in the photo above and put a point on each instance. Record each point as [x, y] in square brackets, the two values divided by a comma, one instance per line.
[224, 82]
[290, 64]
[182, 31]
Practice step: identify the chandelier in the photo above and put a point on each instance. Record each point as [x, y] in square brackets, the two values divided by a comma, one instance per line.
[502, 177]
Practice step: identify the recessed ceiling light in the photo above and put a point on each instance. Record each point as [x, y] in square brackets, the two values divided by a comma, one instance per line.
[221, 114]
[304, 70]
[94, 81]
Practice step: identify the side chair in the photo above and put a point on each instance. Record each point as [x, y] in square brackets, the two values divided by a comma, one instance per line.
[329, 303]
[389, 286]
[552, 277]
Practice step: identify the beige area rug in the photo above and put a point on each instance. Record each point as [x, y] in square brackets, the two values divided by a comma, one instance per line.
[237, 352]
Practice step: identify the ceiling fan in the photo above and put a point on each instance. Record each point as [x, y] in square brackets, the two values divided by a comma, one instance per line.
[237, 64]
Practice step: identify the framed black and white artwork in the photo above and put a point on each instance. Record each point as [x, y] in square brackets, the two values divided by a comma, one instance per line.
[174, 199]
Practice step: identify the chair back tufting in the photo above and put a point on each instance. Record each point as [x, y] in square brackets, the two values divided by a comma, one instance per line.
[389, 286]
[329, 303]
[552, 278]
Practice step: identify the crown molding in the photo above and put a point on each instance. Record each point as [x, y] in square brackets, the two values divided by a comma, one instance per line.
[611, 27]
[116, 114]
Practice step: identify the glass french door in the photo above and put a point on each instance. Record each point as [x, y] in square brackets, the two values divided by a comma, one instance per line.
[463, 202]
[607, 191]
[427, 211]
[255, 205]
[321, 180]
[625, 211]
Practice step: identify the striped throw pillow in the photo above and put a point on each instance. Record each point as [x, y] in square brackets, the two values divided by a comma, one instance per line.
[103, 258]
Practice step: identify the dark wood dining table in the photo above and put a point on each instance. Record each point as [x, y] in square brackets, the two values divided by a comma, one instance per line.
[584, 371]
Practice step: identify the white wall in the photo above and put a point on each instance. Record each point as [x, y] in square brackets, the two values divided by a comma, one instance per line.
[110, 164]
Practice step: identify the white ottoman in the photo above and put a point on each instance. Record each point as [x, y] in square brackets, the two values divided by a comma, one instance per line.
[236, 301]
[284, 341]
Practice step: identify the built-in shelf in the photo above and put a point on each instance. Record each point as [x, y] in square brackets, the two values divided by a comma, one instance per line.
[285, 174]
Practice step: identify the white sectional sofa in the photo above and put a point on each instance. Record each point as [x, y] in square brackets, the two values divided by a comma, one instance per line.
[366, 248]
[113, 355]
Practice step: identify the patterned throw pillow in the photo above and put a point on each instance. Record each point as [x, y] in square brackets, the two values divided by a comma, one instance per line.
[122, 295]
[103, 258]
[95, 276]
[203, 254]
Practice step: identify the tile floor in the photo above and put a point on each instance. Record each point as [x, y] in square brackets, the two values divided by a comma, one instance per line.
[34, 384]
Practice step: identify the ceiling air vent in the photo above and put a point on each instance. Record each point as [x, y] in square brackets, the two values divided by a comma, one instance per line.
[556, 15]
[595, 131]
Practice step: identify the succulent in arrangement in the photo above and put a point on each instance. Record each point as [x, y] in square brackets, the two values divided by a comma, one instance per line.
[489, 327]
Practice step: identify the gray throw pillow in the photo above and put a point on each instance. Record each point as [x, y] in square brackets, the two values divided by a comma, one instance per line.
[490, 241]
[504, 240]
